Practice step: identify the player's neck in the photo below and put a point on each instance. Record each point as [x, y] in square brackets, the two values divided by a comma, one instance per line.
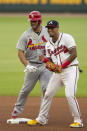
[55, 38]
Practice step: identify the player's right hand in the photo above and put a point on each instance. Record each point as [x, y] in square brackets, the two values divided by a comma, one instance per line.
[30, 68]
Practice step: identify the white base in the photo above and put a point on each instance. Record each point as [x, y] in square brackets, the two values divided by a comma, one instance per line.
[18, 121]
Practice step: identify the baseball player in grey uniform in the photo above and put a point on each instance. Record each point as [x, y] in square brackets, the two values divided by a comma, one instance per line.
[30, 46]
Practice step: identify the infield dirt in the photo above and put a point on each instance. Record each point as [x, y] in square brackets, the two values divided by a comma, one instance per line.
[59, 120]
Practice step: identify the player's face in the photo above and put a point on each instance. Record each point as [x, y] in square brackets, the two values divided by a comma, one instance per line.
[52, 31]
[34, 25]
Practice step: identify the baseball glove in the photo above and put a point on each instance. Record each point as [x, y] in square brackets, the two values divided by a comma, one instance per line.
[52, 67]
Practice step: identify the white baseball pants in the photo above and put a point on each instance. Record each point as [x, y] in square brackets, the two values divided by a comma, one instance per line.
[69, 78]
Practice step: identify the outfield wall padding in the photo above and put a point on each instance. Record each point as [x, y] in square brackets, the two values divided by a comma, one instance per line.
[45, 6]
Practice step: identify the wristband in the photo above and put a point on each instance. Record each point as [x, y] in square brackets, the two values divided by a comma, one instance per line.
[65, 64]
[46, 60]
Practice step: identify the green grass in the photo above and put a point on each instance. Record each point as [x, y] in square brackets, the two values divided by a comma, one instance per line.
[11, 70]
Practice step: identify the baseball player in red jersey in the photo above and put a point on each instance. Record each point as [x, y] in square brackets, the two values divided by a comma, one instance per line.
[61, 48]
[30, 46]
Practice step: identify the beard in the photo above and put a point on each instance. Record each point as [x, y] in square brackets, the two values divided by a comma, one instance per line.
[35, 27]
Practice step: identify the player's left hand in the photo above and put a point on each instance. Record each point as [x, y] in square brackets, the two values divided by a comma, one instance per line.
[30, 68]
[52, 67]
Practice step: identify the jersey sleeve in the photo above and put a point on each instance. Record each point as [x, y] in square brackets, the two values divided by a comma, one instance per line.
[69, 41]
[47, 50]
[21, 45]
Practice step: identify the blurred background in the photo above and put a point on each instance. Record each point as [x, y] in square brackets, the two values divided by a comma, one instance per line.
[72, 16]
[43, 5]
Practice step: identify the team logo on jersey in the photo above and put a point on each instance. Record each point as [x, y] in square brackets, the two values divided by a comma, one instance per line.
[58, 50]
[32, 15]
[31, 45]
[43, 39]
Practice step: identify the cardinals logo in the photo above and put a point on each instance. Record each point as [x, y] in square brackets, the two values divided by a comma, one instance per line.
[32, 15]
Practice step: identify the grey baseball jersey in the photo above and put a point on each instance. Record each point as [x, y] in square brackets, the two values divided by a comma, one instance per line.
[29, 37]
[32, 54]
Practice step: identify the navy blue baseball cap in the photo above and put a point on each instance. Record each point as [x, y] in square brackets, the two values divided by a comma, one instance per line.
[52, 24]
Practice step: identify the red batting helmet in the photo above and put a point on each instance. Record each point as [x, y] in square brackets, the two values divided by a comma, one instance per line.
[35, 16]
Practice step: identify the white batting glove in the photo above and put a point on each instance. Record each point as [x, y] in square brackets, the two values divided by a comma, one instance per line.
[30, 68]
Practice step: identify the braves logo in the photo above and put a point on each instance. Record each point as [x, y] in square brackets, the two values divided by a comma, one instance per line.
[58, 50]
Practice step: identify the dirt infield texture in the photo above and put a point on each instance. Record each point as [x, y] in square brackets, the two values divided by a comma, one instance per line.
[59, 120]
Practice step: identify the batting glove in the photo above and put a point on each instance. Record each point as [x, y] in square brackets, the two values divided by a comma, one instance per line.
[30, 68]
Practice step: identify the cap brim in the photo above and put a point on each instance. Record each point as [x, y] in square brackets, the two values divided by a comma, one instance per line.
[51, 26]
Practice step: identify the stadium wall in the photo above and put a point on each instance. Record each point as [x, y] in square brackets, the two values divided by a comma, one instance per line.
[43, 5]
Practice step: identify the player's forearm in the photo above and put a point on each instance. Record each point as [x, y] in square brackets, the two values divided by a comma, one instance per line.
[22, 58]
[73, 55]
